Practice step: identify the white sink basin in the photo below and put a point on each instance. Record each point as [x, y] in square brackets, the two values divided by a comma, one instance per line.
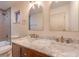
[42, 42]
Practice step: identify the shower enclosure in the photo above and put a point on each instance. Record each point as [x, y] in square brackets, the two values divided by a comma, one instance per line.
[5, 24]
[5, 31]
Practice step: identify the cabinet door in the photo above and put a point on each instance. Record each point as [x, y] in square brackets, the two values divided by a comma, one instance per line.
[15, 50]
[26, 52]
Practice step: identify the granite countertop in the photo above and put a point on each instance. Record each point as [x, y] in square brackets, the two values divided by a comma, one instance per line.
[50, 47]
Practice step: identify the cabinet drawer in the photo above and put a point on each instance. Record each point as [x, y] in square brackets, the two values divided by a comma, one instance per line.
[26, 52]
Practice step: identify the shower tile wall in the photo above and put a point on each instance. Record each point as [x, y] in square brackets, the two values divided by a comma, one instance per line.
[4, 24]
[2, 30]
[8, 23]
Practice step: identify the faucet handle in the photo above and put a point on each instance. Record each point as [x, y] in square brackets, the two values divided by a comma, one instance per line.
[57, 39]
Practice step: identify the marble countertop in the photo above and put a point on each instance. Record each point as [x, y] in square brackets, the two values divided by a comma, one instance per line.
[5, 49]
[50, 47]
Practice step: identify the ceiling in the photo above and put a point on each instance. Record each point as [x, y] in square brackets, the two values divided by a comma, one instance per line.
[6, 4]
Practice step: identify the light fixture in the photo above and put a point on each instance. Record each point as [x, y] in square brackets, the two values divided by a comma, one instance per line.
[33, 3]
[38, 3]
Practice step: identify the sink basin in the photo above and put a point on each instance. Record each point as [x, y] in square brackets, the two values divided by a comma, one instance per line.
[42, 42]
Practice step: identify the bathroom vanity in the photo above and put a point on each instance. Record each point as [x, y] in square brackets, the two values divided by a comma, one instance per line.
[21, 51]
[31, 47]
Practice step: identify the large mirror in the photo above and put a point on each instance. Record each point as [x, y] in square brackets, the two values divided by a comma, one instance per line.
[64, 16]
[36, 18]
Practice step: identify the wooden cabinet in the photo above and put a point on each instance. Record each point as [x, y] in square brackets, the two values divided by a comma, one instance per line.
[31, 53]
[25, 52]
[15, 50]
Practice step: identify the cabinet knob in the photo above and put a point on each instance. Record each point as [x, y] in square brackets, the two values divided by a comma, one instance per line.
[25, 54]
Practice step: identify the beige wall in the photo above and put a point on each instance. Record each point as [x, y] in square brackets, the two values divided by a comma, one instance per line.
[21, 29]
[18, 29]
[74, 16]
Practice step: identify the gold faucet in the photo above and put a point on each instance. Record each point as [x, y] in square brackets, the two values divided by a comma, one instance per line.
[61, 39]
[34, 35]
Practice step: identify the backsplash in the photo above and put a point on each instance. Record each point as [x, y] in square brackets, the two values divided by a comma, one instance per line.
[69, 37]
